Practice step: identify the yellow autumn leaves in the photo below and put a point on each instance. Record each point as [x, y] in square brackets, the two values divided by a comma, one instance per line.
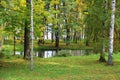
[23, 3]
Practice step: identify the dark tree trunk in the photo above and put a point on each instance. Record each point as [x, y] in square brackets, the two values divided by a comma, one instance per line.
[87, 36]
[41, 53]
[26, 41]
[102, 54]
[27, 32]
[57, 29]
[66, 24]
[52, 35]
[75, 37]
[87, 42]
[102, 59]
[68, 37]
[57, 38]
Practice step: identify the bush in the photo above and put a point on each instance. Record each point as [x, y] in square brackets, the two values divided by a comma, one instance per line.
[1, 54]
[64, 53]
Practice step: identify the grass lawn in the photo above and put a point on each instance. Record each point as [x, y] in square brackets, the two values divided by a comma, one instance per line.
[59, 68]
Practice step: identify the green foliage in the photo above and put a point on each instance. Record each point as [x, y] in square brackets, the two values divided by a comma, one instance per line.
[117, 19]
[63, 53]
[1, 54]
[97, 22]
[7, 50]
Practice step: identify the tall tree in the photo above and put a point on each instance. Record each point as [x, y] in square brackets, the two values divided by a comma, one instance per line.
[2, 7]
[102, 53]
[27, 31]
[32, 36]
[110, 54]
[56, 7]
[12, 18]
[68, 19]
[53, 19]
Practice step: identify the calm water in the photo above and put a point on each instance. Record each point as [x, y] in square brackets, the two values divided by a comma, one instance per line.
[51, 53]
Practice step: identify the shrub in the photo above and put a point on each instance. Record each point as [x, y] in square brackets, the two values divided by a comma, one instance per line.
[64, 53]
[1, 54]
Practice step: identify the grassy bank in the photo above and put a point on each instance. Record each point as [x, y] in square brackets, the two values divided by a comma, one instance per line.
[62, 45]
[8, 46]
[59, 68]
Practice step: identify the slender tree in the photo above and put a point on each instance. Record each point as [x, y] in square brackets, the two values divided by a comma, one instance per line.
[32, 36]
[102, 53]
[110, 54]
[57, 28]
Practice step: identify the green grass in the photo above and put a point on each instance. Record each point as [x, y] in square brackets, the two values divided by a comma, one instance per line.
[9, 49]
[59, 68]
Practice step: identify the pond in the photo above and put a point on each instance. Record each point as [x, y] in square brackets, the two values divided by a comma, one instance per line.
[51, 53]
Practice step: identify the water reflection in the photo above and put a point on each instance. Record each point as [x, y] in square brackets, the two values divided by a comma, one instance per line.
[78, 52]
[45, 54]
[19, 53]
[51, 53]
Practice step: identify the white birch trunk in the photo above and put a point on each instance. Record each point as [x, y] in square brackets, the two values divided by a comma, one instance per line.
[110, 54]
[32, 37]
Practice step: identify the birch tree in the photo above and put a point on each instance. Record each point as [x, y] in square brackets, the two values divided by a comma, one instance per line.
[32, 35]
[111, 34]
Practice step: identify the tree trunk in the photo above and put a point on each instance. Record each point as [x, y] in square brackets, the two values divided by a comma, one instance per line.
[52, 35]
[110, 54]
[57, 29]
[57, 38]
[87, 42]
[68, 36]
[27, 32]
[87, 36]
[102, 54]
[75, 37]
[26, 41]
[32, 36]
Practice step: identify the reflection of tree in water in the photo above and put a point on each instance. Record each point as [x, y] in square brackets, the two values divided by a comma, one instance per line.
[51, 53]
[41, 53]
[45, 53]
